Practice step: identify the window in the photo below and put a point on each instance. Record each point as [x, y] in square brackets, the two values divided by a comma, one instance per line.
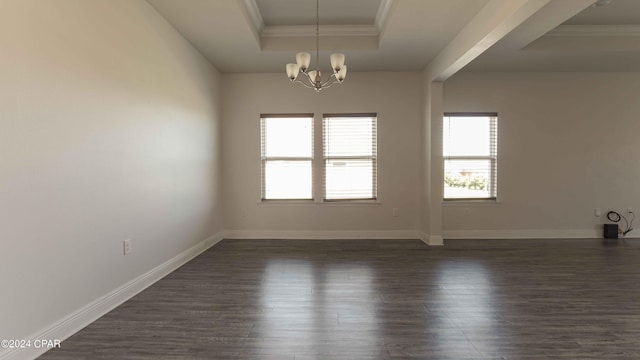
[470, 155]
[350, 156]
[287, 156]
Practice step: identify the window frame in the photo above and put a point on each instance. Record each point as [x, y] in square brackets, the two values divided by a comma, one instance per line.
[492, 157]
[373, 157]
[264, 159]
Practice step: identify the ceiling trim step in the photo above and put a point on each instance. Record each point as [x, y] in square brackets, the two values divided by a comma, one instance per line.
[595, 30]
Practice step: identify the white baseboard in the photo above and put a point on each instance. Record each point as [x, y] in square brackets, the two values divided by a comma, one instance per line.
[431, 240]
[321, 234]
[633, 234]
[84, 316]
[524, 234]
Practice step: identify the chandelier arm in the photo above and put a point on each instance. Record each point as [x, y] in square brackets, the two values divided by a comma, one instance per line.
[303, 84]
[329, 85]
[330, 81]
[311, 81]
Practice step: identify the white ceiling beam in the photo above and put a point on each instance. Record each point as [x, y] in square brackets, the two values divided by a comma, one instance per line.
[496, 19]
[543, 22]
[252, 13]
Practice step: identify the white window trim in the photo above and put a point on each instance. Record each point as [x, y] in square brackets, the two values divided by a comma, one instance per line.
[374, 158]
[493, 160]
[264, 159]
[318, 165]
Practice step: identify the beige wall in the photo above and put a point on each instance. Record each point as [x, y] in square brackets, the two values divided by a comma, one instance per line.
[109, 129]
[396, 97]
[568, 143]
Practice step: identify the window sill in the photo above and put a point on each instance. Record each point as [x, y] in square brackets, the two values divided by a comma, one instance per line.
[468, 202]
[286, 203]
[337, 203]
[350, 203]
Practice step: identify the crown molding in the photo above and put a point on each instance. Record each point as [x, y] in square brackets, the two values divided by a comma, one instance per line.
[335, 37]
[254, 14]
[325, 30]
[383, 14]
[595, 30]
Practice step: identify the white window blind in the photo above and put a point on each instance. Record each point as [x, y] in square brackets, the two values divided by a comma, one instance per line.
[470, 149]
[287, 156]
[350, 156]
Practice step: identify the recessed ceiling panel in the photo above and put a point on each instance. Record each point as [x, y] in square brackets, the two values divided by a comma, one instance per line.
[332, 12]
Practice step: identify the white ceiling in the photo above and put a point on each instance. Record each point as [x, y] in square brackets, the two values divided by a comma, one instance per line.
[407, 35]
[599, 38]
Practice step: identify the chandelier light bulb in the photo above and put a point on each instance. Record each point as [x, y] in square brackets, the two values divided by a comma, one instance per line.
[342, 73]
[304, 60]
[312, 75]
[337, 61]
[292, 71]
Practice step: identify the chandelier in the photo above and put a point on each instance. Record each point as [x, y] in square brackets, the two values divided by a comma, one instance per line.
[313, 79]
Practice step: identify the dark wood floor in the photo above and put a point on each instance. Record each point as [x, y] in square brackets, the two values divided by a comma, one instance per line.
[369, 299]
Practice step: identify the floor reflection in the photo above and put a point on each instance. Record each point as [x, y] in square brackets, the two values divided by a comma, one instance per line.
[319, 307]
[466, 295]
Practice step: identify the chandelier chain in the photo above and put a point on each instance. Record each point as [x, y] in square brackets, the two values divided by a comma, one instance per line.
[317, 33]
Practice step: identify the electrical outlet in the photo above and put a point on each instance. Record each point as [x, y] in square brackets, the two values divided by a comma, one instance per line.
[126, 246]
[597, 212]
[629, 210]
[395, 212]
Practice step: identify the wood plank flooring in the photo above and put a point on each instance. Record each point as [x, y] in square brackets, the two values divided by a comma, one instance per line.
[374, 299]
